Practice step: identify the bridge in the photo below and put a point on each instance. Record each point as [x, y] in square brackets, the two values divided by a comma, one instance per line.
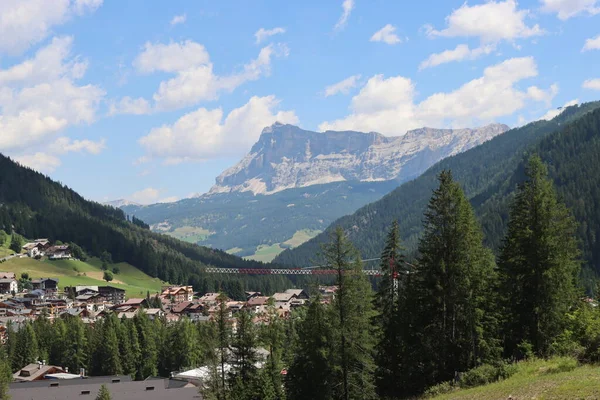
[313, 270]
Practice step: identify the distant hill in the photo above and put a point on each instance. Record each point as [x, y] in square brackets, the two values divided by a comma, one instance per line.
[35, 206]
[294, 181]
[489, 173]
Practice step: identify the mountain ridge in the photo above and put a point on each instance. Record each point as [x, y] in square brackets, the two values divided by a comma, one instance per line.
[286, 156]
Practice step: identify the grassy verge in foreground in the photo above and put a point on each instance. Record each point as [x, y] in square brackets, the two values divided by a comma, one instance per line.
[71, 273]
[553, 379]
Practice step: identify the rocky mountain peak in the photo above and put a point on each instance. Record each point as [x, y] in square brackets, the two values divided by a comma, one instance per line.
[286, 156]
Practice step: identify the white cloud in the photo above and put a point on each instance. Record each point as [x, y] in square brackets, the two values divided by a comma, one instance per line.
[593, 84]
[41, 162]
[262, 34]
[172, 57]
[205, 134]
[178, 19]
[491, 22]
[566, 9]
[342, 86]
[388, 105]
[64, 145]
[195, 80]
[24, 23]
[537, 94]
[170, 199]
[347, 7]
[145, 196]
[40, 97]
[460, 53]
[387, 34]
[557, 111]
[592, 44]
[127, 105]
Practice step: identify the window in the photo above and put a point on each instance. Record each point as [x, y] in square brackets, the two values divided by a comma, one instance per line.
[116, 380]
[85, 392]
[54, 384]
[149, 387]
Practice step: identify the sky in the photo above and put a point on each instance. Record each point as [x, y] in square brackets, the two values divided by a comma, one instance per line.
[150, 101]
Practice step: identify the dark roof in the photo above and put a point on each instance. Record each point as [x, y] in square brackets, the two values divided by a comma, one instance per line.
[153, 389]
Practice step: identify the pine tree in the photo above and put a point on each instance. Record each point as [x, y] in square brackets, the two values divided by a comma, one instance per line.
[16, 242]
[310, 375]
[272, 335]
[183, 344]
[391, 311]
[109, 349]
[26, 347]
[538, 263]
[223, 327]
[76, 346]
[5, 374]
[244, 357]
[351, 315]
[103, 393]
[452, 285]
[147, 342]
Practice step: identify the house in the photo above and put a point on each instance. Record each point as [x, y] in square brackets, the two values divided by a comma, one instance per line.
[235, 306]
[34, 372]
[34, 249]
[209, 299]
[181, 307]
[177, 294]
[7, 275]
[59, 252]
[132, 304]
[283, 300]
[257, 304]
[250, 295]
[90, 298]
[298, 293]
[112, 294]
[48, 285]
[8, 285]
[154, 313]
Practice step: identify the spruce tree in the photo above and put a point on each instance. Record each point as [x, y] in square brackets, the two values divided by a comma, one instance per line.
[389, 302]
[244, 357]
[147, 341]
[451, 289]
[272, 335]
[76, 346]
[539, 263]
[103, 393]
[16, 242]
[26, 347]
[5, 374]
[351, 316]
[310, 375]
[109, 350]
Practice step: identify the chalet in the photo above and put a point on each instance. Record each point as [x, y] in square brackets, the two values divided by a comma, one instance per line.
[181, 307]
[34, 372]
[132, 304]
[177, 294]
[7, 275]
[36, 248]
[209, 299]
[235, 306]
[154, 313]
[257, 304]
[48, 285]
[9, 306]
[9, 285]
[90, 298]
[283, 300]
[59, 252]
[112, 294]
[250, 295]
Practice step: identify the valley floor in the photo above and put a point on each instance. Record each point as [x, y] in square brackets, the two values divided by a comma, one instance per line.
[556, 379]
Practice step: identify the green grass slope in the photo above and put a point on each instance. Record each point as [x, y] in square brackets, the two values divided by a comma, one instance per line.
[72, 273]
[554, 379]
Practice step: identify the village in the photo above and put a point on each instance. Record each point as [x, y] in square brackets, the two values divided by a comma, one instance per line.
[24, 299]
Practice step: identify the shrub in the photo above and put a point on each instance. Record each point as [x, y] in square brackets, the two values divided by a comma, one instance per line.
[439, 389]
[116, 270]
[564, 364]
[487, 373]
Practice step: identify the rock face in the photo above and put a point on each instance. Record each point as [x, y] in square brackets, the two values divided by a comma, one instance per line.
[288, 157]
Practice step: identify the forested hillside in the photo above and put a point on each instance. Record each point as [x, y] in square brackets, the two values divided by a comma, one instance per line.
[33, 205]
[488, 173]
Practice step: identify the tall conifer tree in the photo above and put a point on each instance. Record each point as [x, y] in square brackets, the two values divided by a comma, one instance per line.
[538, 262]
[452, 285]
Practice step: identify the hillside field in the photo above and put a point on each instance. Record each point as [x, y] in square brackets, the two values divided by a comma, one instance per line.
[72, 273]
[555, 379]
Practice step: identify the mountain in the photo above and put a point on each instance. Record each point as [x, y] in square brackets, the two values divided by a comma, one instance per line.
[33, 205]
[294, 183]
[287, 157]
[569, 144]
[121, 203]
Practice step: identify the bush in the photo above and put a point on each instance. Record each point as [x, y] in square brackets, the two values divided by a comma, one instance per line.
[487, 373]
[108, 276]
[439, 389]
[564, 364]
[116, 270]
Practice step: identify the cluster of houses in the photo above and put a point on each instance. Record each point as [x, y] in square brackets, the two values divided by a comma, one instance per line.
[42, 247]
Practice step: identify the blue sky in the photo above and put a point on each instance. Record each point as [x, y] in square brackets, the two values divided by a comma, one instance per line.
[150, 101]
